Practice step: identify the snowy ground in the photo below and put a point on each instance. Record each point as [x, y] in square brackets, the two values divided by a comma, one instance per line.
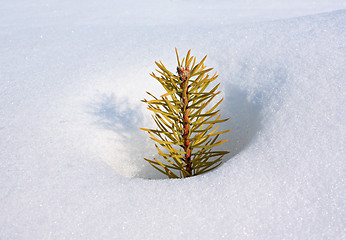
[72, 74]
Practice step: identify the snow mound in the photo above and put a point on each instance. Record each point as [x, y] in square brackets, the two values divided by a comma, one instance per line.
[71, 151]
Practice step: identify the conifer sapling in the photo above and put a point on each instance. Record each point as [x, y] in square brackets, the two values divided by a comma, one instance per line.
[185, 116]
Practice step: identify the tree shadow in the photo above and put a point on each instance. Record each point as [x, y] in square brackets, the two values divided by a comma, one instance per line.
[124, 120]
[115, 114]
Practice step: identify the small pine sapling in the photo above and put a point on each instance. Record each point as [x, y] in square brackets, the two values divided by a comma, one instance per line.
[185, 116]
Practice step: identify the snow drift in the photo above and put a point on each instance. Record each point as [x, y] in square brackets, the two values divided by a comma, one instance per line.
[71, 149]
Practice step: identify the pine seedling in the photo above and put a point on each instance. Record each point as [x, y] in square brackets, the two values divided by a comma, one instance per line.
[185, 117]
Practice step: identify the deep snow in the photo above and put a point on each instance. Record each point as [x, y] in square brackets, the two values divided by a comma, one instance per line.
[72, 75]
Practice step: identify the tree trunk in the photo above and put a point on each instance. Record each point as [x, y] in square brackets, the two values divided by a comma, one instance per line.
[183, 75]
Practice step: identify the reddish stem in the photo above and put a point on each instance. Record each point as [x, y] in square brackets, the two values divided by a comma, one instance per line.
[183, 75]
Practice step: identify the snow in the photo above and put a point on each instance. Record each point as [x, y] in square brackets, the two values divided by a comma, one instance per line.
[72, 74]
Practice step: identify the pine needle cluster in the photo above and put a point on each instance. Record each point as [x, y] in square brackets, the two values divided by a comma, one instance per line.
[185, 116]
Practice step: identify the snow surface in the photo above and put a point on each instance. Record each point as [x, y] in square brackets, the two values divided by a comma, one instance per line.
[72, 74]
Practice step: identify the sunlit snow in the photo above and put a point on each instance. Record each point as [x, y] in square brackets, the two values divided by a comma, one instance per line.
[72, 74]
